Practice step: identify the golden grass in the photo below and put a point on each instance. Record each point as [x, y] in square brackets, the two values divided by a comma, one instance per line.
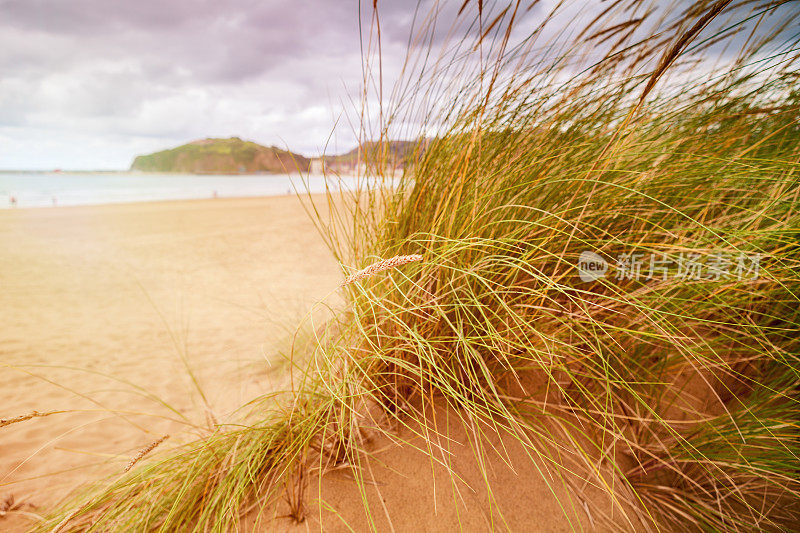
[381, 266]
[144, 451]
[22, 418]
[678, 401]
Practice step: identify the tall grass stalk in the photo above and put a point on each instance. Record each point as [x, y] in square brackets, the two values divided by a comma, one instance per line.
[647, 132]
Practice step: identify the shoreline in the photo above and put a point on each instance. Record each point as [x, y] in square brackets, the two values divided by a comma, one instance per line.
[146, 202]
[55, 190]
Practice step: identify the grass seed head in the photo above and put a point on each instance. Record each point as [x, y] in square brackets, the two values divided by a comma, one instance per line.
[380, 266]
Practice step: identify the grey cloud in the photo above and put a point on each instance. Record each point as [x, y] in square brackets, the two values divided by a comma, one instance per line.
[124, 76]
[213, 41]
[176, 70]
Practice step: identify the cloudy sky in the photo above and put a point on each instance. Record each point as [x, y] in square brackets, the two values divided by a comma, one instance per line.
[88, 84]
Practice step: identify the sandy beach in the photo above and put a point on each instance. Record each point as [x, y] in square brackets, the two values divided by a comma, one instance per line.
[454, 266]
[105, 308]
[164, 318]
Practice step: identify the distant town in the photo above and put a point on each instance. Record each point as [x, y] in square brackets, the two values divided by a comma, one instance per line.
[237, 156]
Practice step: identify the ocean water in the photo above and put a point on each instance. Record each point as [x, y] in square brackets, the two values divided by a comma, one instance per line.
[45, 189]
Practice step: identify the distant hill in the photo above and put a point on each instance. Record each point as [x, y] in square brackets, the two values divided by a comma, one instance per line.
[392, 153]
[225, 156]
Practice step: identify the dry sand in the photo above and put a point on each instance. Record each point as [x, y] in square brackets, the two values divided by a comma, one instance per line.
[95, 301]
[443, 484]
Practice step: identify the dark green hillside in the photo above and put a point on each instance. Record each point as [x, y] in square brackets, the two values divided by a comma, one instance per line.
[227, 156]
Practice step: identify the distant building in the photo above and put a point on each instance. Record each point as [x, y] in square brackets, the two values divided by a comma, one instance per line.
[317, 166]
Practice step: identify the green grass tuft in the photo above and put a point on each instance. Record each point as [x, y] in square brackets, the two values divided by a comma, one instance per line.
[678, 397]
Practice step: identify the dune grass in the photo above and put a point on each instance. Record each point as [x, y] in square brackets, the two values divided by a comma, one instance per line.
[671, 383]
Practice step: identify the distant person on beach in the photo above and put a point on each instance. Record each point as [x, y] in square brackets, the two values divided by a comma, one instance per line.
[214, 194]
[13, 201]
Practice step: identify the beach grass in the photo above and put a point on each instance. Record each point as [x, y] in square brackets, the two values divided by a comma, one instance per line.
[670, 384]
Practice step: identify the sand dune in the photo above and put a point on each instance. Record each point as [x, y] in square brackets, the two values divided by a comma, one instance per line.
[444, 484]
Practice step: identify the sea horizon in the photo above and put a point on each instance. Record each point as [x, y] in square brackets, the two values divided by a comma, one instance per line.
[26, 189]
